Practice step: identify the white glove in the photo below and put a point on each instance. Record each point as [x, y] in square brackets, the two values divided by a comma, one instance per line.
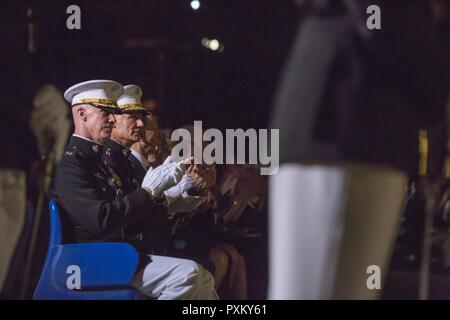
[185, 203]
[49, 120]
[175, 193]
[163, 177]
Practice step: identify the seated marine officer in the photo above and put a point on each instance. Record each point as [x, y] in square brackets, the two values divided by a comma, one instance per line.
[128, 129]
[93, 197]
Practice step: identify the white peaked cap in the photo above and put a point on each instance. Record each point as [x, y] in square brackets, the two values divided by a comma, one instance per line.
[130, 100]
[100, 93]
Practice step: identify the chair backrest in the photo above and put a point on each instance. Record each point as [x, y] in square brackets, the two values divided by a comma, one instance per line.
[108, 268]
[55, 225]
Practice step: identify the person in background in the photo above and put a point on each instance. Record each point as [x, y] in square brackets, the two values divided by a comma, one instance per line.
[349, 107]
[34, 123]
[148, 151]
[200, 240]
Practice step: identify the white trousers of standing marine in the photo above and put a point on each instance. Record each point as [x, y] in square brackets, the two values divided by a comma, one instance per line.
[329, 225]
[167, 278]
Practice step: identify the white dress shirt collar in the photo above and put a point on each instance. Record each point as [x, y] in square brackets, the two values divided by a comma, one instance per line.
[142, 160]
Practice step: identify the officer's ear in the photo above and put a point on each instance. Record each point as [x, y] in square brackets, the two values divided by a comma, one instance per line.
[81, 112]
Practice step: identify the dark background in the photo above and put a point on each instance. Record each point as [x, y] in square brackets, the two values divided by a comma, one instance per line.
[230, 89]
[155, 44]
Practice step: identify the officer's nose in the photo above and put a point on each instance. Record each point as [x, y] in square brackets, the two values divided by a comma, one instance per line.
[139, 123]
[112, 118]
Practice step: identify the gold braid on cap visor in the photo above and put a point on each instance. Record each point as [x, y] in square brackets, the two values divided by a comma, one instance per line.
[100, 102]
[132, 107]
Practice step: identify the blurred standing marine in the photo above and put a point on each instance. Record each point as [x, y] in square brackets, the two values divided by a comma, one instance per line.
[349, 107]
[33, 114]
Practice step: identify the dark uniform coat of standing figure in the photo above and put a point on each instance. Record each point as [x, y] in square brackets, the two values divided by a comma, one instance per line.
[361, 96]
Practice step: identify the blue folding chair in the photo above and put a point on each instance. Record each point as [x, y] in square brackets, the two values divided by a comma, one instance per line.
[105, 269]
